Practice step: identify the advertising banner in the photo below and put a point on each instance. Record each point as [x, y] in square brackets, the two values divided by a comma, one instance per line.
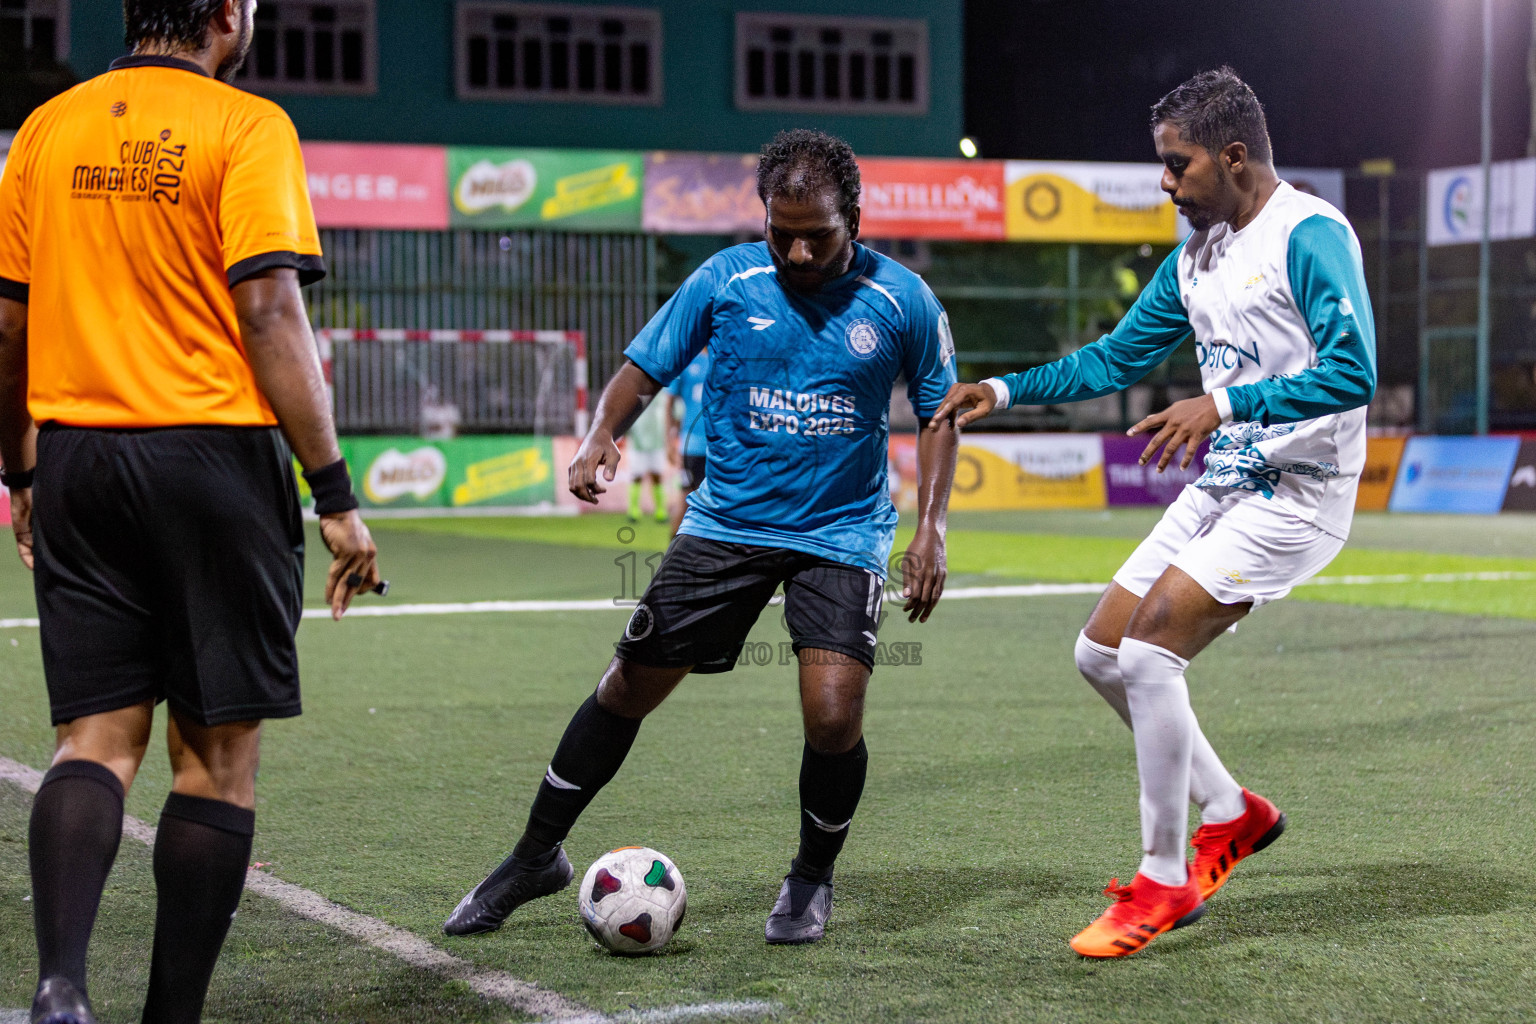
[701, 194]
[408, 472]
[1088, 202]
[1029, 471]
[1382, 457]
[1454, 212]
[1127, 483]
[1520, 496]
[560, 189]
[1327, 183]
[356, 185]
[1454, 474]
[957, 199]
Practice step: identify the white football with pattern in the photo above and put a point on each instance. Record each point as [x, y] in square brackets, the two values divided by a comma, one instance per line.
[633, 900]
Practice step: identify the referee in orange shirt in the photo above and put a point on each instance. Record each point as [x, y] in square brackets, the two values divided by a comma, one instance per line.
[155, 230]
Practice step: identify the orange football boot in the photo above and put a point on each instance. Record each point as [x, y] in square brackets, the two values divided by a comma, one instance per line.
[1219, 847]
[1141, 912]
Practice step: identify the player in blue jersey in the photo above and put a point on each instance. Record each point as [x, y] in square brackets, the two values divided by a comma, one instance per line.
[688, 391]
[807, 332]
[1271, 285]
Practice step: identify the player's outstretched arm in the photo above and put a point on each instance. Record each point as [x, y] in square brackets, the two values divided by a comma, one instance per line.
[621, 404]
[18, 435]
[286, 363]
[924, 566]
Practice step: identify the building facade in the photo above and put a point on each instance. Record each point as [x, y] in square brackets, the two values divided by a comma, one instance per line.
[663, 74]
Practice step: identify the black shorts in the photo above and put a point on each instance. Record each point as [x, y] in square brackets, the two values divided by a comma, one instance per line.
[707, 594]
[693, 472]
[169, 566]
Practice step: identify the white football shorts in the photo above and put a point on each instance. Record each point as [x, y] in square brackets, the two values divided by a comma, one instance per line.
[642, 464]
[1239, 546]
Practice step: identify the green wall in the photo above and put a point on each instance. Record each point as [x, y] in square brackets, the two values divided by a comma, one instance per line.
[415, 100]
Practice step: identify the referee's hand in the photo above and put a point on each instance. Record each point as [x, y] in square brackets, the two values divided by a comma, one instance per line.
[21, 523]
[353, 558]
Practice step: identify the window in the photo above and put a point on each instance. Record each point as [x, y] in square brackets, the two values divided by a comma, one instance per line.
[846, 65]
[309, 47]
[559, 52]
[38, 26]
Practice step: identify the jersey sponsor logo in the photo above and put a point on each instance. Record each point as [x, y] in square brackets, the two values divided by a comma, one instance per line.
[862, 338]
[797, 412]
[119, 108]
[760, 323]
[1226, 355]
[1232, 575]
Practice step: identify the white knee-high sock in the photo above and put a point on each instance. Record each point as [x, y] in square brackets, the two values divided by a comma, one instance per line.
[1211, 787]
[1163, 725]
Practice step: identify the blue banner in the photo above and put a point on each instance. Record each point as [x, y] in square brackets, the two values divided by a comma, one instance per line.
[1454, 474]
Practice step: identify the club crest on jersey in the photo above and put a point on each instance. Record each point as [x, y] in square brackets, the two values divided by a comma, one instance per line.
[862, 338]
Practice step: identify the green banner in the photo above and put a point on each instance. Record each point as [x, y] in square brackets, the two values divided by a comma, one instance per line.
[565, 189]
[408, 472]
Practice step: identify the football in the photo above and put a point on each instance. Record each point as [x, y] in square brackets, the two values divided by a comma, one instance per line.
[633, 900]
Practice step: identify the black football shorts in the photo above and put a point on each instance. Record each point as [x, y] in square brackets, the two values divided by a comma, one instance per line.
[170, 566]
[707, 594]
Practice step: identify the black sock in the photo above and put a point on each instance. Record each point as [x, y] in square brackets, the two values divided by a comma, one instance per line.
[830, 787]
[590, 753]
[201, 852]
[77, 821]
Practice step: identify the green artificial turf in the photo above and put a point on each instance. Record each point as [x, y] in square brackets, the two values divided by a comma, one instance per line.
[1001, 798]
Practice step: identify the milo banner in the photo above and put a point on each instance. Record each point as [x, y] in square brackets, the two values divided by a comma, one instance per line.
[409, 473]
[1088, 202]
[559, 189]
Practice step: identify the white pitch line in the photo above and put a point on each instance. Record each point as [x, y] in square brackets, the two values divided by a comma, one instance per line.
[953, 594]
[523, 996]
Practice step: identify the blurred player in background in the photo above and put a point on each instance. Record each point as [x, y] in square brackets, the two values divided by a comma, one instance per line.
[155, 229]
[808, 332]
[645, 448]
[1272, 286]
[685, 432]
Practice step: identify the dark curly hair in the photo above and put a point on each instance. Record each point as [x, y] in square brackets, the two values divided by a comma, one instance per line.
[181, 23]
[802, 162]
[1215, 109]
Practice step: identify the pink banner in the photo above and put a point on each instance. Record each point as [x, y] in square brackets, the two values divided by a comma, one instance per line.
[361, 185]
[961, 199]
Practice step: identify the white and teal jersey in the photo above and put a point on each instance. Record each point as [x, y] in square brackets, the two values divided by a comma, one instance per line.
[1286, 344]
[797, 397]
[649, 433]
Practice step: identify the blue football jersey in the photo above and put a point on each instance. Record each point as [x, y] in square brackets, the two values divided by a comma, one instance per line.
[689, 388]
[797, 398]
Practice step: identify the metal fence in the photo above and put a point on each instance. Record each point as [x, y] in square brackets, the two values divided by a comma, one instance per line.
[449, 381]
[603, 286]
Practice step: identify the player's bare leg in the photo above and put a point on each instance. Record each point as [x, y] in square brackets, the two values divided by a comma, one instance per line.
[590, 753]
[202, 848]
[76, 824]
[832, 768]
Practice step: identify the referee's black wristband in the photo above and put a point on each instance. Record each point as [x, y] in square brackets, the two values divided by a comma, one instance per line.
[18, 481]
[332, 487]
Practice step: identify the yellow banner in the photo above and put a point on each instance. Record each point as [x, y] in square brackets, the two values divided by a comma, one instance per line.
[1382, 455]
[502, 474]
[1083, 202]
[1013, 471]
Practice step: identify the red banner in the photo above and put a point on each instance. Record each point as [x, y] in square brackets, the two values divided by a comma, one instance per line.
[932, 199]
[360, 185]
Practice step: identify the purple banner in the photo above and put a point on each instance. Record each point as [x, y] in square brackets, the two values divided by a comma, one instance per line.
[1126, 483]
[701, 194]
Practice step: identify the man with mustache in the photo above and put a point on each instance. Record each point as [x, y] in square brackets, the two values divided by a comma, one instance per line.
[807, 332]
[1272, 286]
[155, 353]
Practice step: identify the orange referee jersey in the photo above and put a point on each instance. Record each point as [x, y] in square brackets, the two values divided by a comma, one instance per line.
[129, 207]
